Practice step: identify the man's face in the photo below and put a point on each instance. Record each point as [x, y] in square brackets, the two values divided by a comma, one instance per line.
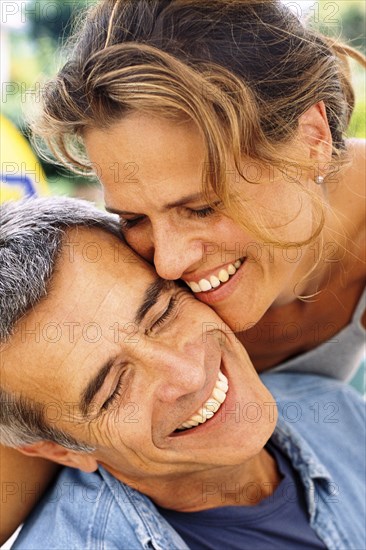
[120, 359]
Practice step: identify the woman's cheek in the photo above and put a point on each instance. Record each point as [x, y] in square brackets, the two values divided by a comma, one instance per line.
[140, 243]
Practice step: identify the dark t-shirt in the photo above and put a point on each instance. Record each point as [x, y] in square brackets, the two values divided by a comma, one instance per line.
[279, 521]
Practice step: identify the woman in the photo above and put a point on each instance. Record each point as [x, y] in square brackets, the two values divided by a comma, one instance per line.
[218, 131]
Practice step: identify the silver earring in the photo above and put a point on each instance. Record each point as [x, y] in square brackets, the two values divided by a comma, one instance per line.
[319, 180]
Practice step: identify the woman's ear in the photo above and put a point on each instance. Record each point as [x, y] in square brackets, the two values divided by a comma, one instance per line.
[56, 453]
[315, 132]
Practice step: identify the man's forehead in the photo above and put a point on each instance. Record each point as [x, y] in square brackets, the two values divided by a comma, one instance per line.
[99, 287]
[95, 269]
[96, 274]
[94, 245]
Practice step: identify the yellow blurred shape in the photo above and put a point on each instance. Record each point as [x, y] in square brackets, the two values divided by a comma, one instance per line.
[21, 173]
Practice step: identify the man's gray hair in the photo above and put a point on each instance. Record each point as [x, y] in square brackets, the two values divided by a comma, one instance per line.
[32, 233]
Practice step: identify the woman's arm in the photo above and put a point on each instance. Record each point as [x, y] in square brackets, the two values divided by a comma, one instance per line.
[23, 481]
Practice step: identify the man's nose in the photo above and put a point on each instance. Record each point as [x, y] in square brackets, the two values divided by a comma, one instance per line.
[177, 373]
[175, 251]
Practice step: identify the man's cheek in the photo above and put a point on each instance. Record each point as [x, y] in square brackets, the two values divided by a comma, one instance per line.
[122, 422]
[103, 431]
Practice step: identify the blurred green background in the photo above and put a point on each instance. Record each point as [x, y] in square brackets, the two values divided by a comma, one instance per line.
[32, 33]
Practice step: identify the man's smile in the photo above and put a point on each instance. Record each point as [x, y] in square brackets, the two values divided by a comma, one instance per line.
[211, 406]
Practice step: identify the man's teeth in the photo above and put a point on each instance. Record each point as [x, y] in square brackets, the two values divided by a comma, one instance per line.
[211, 406]
[215, 280]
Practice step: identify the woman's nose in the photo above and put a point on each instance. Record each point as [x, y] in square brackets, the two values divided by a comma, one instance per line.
[175, 252]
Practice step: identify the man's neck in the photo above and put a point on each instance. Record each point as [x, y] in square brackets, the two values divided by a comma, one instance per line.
[243, 485]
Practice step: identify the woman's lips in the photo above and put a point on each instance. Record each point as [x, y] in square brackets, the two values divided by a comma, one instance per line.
[224, 290]
[215, 278]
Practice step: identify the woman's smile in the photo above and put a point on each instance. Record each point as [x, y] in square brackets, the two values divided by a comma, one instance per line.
[214, 288]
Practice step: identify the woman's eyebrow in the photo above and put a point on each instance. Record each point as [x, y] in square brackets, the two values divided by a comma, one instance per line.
[180, 202]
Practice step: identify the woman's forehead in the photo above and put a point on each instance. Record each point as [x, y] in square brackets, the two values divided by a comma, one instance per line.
[162, 145]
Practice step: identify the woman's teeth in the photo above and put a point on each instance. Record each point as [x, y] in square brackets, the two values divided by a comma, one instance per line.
[211, 406]
[215, 280]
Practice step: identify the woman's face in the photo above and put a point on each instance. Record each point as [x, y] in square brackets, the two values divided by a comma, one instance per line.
[151, 170]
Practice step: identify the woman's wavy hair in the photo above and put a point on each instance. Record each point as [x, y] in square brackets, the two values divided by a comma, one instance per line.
[243, 71]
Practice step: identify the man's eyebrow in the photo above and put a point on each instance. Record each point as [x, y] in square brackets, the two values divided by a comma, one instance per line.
[94, 386]
[181, 202]
[151, 296]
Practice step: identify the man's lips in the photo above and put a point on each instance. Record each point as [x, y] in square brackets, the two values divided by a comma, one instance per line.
[209, 408]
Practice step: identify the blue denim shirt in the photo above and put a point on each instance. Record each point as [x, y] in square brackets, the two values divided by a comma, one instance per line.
[321, 428]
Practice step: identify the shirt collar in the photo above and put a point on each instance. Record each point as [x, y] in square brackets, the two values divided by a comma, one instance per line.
[304, 460]
[151, 529]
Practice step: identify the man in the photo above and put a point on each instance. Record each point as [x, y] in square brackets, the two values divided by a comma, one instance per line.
[154, 407]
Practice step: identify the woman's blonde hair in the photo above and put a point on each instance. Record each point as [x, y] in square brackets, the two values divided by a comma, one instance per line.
[243, 71]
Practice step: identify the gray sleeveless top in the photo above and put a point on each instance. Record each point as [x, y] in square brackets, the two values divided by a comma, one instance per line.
[338, 357]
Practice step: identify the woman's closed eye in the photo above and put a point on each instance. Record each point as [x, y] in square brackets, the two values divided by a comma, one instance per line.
[128, 223]
[206, 210]
[202, 212]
